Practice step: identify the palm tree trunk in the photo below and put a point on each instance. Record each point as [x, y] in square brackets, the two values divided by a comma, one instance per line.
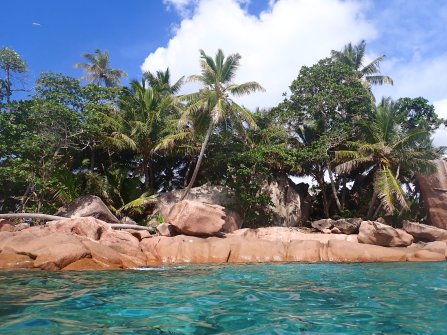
[334, 190]
[371, 206]
[199, 160]
[376, 212]
[146, 173]
[343, 193]
[320, 179]
[188, 170]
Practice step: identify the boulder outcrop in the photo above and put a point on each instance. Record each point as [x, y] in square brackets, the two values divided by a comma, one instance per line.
[166, 229]
[210, 194]
[434, 194]
[423, 232]
[377, 233]
[55, 247]
[290, 207]
[340, 226]
[200, 219]
[88, 205]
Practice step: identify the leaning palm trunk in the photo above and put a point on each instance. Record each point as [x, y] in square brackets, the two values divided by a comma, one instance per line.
[199, 160]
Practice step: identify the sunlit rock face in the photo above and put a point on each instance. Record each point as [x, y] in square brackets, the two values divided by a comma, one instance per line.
[290, 206]
[434, 193]
[86, 206]
[74, 244]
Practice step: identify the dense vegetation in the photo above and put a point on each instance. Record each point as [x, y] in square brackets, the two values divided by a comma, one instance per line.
[128, 143]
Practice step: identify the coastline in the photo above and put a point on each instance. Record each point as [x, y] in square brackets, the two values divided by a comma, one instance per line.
[90, 244]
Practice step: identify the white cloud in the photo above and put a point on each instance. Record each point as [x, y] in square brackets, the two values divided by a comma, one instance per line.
[183, 7]
[418, 77]
[273, 45]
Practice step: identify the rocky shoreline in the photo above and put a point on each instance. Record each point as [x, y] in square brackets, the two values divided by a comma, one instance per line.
[91, 244]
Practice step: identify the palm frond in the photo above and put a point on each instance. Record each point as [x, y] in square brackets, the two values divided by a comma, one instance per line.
[137, 205]
[379, 80]
[245, 88]
[230, 67]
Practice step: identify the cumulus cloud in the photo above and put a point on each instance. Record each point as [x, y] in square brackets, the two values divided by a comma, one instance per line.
[183, 7]
[417, 77]
[273, 45]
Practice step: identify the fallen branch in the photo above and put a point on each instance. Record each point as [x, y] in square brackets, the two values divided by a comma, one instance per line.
[47, 217]
[131, 226]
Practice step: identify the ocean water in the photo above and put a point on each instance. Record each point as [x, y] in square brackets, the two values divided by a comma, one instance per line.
[394, 298]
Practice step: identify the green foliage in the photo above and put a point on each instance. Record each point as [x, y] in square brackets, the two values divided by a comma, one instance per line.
[254, 201]
[98, 70]
[353, 56]
[212, 104]
[417, 113]
[10, 62]
[389, 151]
[125, 144]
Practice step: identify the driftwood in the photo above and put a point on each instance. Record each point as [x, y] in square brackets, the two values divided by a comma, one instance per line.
[47, 217]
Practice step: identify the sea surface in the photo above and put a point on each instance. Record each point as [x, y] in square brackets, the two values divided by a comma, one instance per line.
[392, 298]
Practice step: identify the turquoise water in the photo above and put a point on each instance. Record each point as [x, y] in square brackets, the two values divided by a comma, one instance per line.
[398, 298]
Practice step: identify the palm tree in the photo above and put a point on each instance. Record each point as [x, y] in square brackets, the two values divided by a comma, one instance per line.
[213, 101]
[353, 56]
[140, 124]
[98, 69]
[386, 151]
[161, 82]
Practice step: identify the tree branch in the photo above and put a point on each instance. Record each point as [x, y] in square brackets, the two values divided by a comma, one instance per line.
[47, 217]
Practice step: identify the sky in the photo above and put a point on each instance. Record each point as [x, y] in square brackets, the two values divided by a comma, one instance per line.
[274, 37]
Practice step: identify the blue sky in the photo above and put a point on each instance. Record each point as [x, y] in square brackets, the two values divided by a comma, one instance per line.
[274, 38]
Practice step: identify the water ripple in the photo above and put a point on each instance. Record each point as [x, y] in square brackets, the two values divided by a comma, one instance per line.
[404, 298]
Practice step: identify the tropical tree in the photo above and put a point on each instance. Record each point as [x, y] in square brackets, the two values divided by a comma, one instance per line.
[354, 57]
[10, 63]
[161, 82]
[322, 112]
[387, 151]
[141, 124]
[98, 69]
[213, 101]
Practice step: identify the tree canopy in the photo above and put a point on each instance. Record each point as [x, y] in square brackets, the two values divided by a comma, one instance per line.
[129, 143]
